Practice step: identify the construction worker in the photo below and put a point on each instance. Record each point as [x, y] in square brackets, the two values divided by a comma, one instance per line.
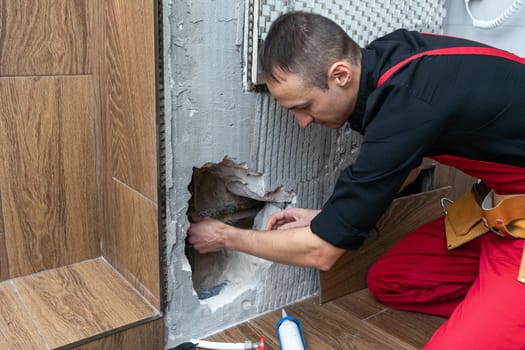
[411, 95]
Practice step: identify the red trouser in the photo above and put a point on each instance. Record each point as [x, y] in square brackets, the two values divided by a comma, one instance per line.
[474, 285]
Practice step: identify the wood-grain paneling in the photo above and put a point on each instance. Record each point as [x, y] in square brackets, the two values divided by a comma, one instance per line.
[47, 172]
[4, 267]
[100, 83]
[131, 94]
[44, 37]
[16, 327]
[403, 216]
[72, 303]
[134, 243]
[127, 145]
[149, 336]
[70, 69]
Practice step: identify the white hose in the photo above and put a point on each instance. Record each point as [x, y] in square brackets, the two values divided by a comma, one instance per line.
[221, 346]
[493, 23]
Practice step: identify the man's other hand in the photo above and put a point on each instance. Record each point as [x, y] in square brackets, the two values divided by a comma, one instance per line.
[291, 218]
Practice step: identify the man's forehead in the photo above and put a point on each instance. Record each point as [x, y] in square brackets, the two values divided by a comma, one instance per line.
[289, 93]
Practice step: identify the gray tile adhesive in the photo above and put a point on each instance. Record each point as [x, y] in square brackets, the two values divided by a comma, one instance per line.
[213, 117]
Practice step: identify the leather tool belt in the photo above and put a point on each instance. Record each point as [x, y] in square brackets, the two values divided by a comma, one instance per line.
[474, 214]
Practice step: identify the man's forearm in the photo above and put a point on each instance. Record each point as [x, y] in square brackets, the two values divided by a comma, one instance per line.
[298, 246]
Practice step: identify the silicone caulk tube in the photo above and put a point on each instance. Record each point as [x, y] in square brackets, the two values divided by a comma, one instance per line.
[290, 333]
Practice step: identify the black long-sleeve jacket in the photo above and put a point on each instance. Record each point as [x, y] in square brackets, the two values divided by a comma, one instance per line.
[423, 95]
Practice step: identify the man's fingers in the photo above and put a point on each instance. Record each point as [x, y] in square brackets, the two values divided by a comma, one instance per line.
[274, 220]
[291, 224]
[270, 223]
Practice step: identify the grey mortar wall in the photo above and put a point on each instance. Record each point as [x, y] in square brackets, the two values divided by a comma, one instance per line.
[208, 117]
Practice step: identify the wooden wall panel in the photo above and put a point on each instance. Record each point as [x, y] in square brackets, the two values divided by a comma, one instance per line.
[131, 94]
[47, 172]
[134, 242]
[44, 37]
[125, 69]
[4, 267]
[100, 84]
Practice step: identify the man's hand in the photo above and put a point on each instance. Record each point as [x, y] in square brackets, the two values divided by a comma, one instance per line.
[204, 234]
[291, 218]
[295, 246]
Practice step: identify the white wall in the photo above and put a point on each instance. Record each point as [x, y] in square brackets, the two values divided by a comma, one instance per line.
[510, 36]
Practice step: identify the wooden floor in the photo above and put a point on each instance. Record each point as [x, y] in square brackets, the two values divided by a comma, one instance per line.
[355, 321]
[67, 306]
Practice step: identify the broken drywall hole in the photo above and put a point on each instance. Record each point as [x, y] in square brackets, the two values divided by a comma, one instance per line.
[236, 195]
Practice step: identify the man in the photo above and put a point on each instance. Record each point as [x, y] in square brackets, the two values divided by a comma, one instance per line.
[411, 95]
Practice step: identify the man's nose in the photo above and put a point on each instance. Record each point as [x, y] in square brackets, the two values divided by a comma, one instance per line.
[303, 119]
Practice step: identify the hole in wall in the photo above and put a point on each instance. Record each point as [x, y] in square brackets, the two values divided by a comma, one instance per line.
[236, 195]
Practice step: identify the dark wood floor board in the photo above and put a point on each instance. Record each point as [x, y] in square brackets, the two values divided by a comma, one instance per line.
[355, 321]
[47, 172]
[360, 304]
[44, 37]
[347, 330]
[79, 301]
[415, 328]
[336, 325]
[16, 327]
[131, 94]
[133, 243]
[403, 216]
[329, 327]
[266, 326]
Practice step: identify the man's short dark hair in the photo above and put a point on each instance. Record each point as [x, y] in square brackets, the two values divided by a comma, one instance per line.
[305, 44]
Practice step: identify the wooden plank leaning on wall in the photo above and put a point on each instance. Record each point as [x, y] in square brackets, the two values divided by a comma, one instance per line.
[404, 215]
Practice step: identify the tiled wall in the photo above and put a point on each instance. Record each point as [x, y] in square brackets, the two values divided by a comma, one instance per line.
[509, 36]
[48, 213]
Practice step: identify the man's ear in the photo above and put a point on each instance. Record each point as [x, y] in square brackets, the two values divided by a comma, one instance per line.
[340, 73]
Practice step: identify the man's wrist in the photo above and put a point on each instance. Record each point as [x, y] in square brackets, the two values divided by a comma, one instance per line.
[229, 236]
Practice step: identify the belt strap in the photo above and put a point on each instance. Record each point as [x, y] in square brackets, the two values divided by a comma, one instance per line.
[497, 217]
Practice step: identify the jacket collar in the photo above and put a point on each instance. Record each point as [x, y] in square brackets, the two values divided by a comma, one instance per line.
[366, 86]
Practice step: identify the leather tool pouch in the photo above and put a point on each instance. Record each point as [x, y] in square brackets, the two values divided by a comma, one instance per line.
[463, 221]
[471, 216]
